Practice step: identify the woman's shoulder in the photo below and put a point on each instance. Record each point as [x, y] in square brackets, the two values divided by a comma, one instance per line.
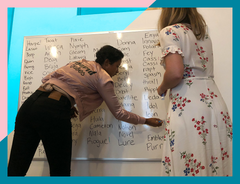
[101, 74]
[176, 30]
[177, 27]
[93, 65]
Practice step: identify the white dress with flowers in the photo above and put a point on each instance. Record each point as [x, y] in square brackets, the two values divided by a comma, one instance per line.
[198, 133]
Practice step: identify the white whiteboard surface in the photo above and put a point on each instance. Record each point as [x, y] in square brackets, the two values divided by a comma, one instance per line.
[101, 136]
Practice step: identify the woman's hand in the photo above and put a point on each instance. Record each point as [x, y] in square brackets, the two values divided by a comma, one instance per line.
[154, 122]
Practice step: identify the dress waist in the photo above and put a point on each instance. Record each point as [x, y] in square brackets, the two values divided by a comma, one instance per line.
[199, 78]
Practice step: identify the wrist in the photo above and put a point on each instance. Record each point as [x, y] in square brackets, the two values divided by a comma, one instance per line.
[162, 89]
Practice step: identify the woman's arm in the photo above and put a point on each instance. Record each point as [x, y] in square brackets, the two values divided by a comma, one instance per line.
[110, 98]
[173, 72]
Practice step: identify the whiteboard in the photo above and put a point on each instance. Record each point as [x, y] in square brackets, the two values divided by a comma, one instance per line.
[100, 135]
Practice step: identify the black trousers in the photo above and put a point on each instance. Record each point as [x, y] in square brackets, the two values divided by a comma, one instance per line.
[46, 119]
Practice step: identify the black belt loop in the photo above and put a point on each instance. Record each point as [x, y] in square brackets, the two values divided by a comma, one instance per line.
[36, 94]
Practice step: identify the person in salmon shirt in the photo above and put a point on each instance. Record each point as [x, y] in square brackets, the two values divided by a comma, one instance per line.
[46, 114]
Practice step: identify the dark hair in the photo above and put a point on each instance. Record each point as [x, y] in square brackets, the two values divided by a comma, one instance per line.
[110, 53]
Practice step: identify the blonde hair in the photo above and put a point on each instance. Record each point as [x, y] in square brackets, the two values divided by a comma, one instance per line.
[170, 16]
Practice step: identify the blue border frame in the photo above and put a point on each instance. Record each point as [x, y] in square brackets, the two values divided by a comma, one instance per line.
[158, 3]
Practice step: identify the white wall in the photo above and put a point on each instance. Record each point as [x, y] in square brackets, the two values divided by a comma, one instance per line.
[219, 21]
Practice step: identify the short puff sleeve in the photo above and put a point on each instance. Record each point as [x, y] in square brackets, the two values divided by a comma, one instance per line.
[170, 42]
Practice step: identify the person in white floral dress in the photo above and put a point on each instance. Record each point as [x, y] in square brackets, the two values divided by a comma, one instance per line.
[198, 133]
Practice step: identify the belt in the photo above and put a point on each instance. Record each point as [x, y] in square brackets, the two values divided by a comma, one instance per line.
[199, 78]
[56, 95]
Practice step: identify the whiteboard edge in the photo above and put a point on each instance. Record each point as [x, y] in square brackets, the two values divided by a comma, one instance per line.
[88, 33]
[21, 77]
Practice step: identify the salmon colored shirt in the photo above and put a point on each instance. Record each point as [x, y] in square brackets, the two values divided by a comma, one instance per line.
[90, 85]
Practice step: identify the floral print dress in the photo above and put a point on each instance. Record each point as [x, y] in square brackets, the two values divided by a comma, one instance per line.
[198, 131]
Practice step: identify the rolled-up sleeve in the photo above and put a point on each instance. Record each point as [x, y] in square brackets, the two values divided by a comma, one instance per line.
[110, 98]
